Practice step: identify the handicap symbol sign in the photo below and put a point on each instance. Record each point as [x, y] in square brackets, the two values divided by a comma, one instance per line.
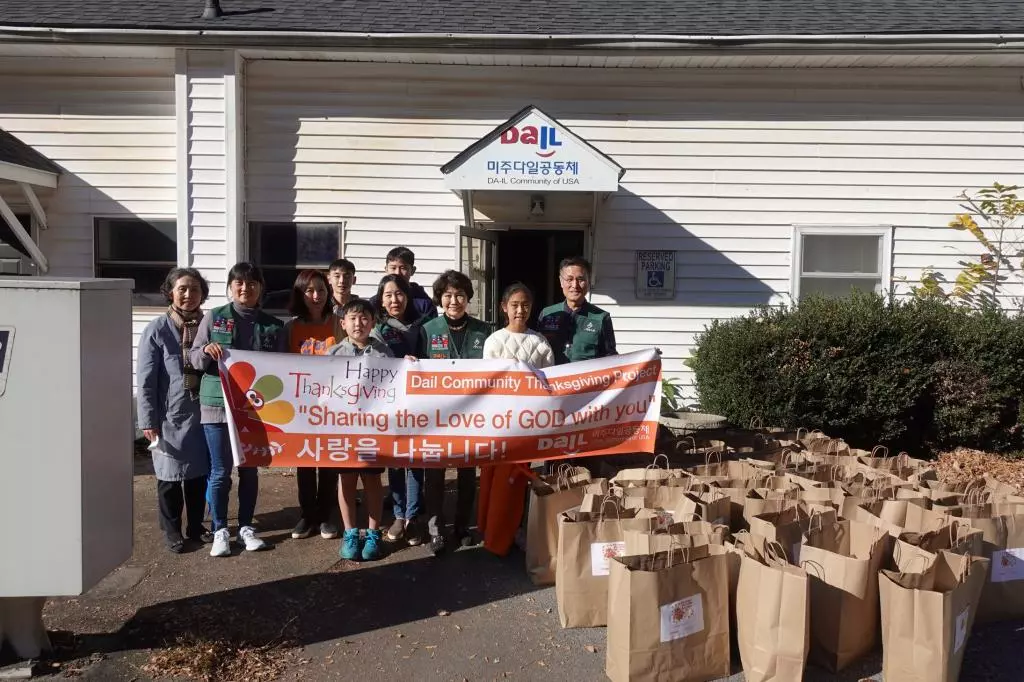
[656, 279]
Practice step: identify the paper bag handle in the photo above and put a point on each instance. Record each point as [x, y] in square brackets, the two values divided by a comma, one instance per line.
[756, 423]
[658, 458]
[819, 569]
[775, 552]
[799, 431]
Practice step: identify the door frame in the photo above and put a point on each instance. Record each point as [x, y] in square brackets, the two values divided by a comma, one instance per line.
[490, 238]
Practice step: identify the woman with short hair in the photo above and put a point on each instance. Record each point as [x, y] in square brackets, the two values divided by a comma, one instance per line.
[455, 335]
[168, 408]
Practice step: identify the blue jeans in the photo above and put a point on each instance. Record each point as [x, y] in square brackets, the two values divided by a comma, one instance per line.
[406, 489]
[219, 444]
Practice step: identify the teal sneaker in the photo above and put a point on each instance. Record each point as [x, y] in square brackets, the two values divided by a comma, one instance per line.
[371, 547]
[350, 544]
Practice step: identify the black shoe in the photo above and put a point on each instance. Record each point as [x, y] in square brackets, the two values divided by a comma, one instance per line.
[464, 538]
[414, 532]
[175, 544]
[303, 529]
[437, 545]
[200, 535]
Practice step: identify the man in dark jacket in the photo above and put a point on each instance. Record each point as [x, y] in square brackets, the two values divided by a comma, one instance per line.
[402, 261]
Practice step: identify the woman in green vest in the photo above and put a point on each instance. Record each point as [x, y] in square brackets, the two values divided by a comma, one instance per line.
[240, 325]
[455, 335]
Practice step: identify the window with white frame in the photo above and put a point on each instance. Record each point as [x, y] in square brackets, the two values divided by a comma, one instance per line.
[283, 250]
[834, 260]
[138, 249]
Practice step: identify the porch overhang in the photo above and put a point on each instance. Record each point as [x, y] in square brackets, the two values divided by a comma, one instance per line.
[532, 151]
[24, 166]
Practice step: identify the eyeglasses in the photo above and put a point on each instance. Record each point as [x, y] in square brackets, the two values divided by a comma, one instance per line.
[577, 280]
[454, 297]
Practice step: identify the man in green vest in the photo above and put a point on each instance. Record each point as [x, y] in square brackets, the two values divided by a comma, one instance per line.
[577, 329]
[454, 335]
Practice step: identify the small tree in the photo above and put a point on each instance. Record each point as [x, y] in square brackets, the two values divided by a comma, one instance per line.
[991, 216]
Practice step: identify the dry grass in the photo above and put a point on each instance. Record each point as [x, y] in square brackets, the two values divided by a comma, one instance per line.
[964, 465]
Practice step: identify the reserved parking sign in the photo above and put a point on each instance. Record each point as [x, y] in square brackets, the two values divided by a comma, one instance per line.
[656, 275]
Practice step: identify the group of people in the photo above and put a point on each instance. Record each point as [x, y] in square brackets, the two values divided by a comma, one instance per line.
[181, 408]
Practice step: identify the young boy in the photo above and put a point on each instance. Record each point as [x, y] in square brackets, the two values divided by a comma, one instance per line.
[402, 261]
[341, 275]
[357, 321]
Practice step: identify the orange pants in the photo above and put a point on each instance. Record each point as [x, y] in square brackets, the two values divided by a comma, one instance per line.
[500, 505]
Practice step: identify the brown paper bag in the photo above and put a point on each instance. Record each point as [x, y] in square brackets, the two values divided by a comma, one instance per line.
[787, 528]
[843, 560]
[549, 497]
[587, 541]
[772, 618]
[1003, 544]
[927, 617]
[682, 535]
[668, 616]
[957, 537]
[713, 506]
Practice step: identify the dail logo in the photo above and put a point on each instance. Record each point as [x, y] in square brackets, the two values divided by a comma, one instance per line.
[544, 137]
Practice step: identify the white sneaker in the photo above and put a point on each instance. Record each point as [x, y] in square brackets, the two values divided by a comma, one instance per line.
[221, 543]
[248, 536]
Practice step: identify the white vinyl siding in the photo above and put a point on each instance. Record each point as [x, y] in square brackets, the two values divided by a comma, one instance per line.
[720, 164]
[109, 122]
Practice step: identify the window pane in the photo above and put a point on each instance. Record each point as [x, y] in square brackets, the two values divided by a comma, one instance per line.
[838, 287]
[279, 287]
[297, 244]
[841, 253]
[148, 279]
[136, 240]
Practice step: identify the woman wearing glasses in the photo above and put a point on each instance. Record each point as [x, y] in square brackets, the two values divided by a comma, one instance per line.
[453, 336]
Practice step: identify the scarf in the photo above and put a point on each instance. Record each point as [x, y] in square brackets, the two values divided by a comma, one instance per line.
[187, 324]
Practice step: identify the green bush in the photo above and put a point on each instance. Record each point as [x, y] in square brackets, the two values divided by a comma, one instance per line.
[913, 374]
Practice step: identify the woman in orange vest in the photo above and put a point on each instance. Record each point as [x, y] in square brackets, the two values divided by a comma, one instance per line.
[503, 486]
[313, 329]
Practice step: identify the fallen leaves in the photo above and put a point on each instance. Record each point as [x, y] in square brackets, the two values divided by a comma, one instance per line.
[208, 660]
[965, 465]
[591, 648]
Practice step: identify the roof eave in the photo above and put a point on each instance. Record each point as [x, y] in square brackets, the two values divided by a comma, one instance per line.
[609, 42]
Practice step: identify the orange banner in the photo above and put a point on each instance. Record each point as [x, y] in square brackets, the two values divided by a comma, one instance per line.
[296, 410]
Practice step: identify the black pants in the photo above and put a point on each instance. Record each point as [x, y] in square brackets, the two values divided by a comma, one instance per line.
[433, 484]
[318, 493]
[173, 497]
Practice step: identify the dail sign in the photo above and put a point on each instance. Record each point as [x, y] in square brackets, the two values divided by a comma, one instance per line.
[542, 137]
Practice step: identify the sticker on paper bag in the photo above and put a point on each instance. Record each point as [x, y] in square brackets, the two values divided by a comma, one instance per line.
[664, 519]
[601, 555]
[682, 618]
[1007, 565]
[960, 636]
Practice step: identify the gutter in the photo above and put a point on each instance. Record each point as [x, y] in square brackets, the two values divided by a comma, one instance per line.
[666, 42]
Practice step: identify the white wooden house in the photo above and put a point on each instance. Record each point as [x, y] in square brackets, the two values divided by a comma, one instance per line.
[770, 153]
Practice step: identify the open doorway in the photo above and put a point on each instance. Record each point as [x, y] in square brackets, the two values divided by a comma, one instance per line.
[531, 256]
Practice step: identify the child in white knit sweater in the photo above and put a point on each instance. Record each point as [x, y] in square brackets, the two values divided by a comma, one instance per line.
[503, 486]
[515, 341]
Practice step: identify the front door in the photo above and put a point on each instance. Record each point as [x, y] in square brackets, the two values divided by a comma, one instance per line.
[478, 259]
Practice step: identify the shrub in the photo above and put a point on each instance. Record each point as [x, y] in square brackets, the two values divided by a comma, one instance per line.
[912, 374]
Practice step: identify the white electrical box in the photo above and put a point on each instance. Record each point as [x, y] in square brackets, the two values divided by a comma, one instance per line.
[66, 433]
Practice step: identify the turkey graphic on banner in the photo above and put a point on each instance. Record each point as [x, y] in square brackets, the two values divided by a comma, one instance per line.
[288, 410]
